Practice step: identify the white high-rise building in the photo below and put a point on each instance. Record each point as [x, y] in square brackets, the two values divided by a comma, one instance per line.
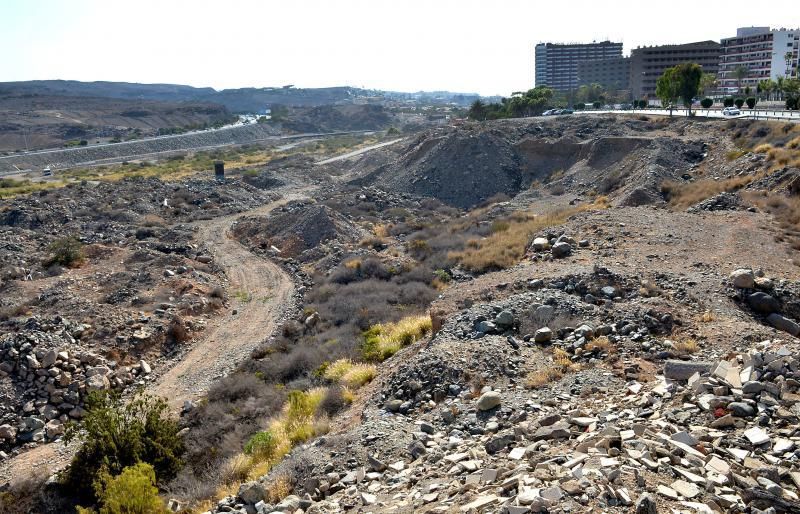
[762, 53]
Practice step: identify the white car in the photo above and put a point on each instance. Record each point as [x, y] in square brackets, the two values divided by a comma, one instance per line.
[731, 111]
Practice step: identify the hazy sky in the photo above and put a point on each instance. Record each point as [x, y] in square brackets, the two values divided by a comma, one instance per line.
[404, 45]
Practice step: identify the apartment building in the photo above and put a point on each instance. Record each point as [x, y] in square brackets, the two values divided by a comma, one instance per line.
[648, 63]
[613, 74]
[556, 65]
[756, 54]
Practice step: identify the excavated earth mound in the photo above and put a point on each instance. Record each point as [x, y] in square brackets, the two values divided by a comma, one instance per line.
[465, 166]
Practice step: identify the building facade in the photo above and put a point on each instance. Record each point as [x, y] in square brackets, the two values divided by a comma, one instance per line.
[610, 73]
[760, 53]
[556, 65]
[648, 63]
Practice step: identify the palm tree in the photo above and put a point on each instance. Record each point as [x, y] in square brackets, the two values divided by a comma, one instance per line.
[740, 72]
[780, 85]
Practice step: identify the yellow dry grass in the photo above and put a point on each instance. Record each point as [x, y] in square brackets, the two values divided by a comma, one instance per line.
[683, 195]
[686, 346]
[561, 364]
[509, 240]
[352, 375]
[384, 340]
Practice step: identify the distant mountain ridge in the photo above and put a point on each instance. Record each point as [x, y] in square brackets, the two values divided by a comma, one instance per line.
[241, 100]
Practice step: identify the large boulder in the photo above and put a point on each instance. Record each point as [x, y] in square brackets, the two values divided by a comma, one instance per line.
[763, 303]
[561, 250]
[489, 400]
[743, 278]
[785, 324]
[7, 432]
[251, 492]
[97, 383]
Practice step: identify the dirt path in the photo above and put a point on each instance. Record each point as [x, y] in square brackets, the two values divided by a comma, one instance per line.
[226, 342]
[231, 337]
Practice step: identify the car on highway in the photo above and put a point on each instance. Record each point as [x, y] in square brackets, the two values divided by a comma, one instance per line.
[549, 112]
[731, 111]
[566, 111]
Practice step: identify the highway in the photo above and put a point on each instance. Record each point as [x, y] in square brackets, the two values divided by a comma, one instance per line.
[755, 114]
[122, 156]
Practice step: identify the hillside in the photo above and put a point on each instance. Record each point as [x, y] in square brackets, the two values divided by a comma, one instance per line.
[33, 120]
[589, 313]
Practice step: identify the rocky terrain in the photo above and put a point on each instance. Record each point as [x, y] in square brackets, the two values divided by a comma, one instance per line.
[606, 312]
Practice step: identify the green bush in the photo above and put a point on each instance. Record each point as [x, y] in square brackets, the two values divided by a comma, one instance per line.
[751, 102]
[792, 102]
[115, 435]
[133, 491]
[597, 105]
[67, 251]
[706, 103]
[727, 102]
[739, 102]
[580, 106]
[642, 104]
[262, 445]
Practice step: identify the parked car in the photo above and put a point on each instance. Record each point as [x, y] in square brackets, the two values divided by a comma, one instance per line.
[549, 112]
[566, 111]
[731, 111]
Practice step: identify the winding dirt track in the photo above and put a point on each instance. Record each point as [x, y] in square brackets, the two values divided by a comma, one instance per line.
[231, 337]
[226, 342]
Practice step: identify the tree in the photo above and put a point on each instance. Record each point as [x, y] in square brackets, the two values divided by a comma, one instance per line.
[477, 111]
[115, 435]
[667, 89]
[679, 82]
[751, 102]
[740, 73]
[708, 83]
[133, 491]
[739, 102]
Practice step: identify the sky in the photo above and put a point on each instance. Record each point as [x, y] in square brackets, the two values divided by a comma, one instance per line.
[402, 45]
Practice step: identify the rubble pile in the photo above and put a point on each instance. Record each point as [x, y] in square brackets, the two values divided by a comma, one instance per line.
[47, 373]
[701, 437]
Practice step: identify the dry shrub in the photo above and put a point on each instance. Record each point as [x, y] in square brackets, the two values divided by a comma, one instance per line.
[236, 469]
[279, 488]
[707, 317]
[561, 364]
[763, 148]
[381, 230]
[152, 220]
[684, 195]
[177, 331]
[601, 344]
[539, 378]
[794, 143]
[687, 346]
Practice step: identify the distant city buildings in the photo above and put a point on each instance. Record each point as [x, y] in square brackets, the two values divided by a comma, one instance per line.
[648, 63]
[556, 64]
[755, 54]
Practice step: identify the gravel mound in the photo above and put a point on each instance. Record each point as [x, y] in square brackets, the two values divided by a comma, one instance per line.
[296, 230]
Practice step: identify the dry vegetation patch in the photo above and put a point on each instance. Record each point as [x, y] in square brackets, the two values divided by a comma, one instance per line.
[510, 238]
